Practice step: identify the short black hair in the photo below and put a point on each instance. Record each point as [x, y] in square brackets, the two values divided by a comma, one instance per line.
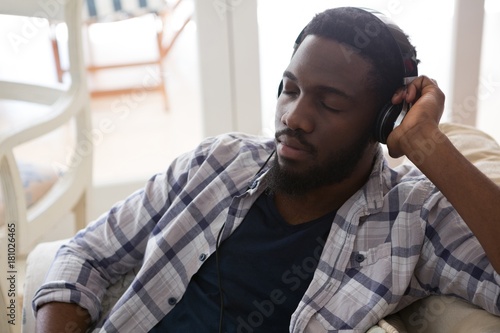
[367, 36]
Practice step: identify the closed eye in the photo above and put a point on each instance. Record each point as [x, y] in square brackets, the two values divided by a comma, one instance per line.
[290, 88]
[290, 92]
[329, 108]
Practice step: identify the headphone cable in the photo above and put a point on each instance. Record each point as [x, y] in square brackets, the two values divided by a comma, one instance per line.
[217, 261]
[219, 281]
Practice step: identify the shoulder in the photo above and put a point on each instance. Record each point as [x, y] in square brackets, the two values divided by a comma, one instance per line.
[403, 178]
[408, 188]
[239, 142]
[230, 152]
[234, 146]
[416, 194]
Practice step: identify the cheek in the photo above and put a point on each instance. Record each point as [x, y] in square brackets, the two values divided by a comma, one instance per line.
[278, 114]
[340, 132]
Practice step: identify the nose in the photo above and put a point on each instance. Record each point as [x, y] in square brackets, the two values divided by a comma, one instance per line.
[298, 115]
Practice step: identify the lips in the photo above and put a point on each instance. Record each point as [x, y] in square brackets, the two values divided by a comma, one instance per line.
[293, 143]
[291, 147]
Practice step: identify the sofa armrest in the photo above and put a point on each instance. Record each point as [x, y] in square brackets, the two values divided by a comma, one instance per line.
[37, 266]
[445, 314]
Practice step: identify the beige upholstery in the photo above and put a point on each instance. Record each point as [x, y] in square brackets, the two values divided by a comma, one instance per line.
[478, 147]
[448, 315]
[37, 180]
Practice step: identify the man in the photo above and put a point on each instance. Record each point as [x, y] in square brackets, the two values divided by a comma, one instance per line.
[311, 232]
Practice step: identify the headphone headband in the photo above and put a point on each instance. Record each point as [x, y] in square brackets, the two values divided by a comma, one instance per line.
[407, 52]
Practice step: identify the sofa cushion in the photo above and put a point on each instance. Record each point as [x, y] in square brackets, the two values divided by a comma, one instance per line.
[37, 181]
[478, 147]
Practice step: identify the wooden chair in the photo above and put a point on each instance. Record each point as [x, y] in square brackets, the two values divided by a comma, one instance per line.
[27, 113]
[165, 19]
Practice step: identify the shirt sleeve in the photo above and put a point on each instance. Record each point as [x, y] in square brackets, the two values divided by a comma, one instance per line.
[453, 261]
[115, 243]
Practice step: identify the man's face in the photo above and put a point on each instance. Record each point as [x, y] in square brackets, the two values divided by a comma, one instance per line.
[324, 117]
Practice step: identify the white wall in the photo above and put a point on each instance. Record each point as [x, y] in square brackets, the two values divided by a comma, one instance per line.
[229, 65]
[488, 95]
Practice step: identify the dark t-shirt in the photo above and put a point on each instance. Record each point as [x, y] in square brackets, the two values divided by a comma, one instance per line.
[266, 266]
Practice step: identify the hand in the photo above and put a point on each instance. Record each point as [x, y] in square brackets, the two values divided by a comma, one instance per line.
[422, 119]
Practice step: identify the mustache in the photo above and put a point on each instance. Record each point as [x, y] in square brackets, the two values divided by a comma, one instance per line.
[298, 135]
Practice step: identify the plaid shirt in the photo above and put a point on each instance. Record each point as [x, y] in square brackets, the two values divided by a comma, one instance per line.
[396, 240]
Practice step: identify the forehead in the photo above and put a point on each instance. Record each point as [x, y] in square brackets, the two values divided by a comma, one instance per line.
[322, 61]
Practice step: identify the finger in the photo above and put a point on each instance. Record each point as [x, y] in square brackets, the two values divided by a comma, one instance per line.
[416, 88]
[399, 95]
[404, 93]
[412, 93]
[413, 90]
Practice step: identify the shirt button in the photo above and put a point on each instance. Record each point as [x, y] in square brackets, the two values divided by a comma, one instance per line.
[202, 257]
[172, 301]
[253, 185]
[359, 258]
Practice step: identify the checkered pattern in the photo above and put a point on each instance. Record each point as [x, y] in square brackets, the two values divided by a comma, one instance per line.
[394, 241]
[104, 9]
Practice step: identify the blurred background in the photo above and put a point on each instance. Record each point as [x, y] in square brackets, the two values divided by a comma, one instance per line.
[222, 74]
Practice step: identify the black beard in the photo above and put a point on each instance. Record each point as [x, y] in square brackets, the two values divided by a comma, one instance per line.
[337, 168]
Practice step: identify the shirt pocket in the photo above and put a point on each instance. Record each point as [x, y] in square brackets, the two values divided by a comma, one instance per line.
[360, 259]
[364, 295]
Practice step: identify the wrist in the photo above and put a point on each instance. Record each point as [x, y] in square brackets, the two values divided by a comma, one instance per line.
[421, 142]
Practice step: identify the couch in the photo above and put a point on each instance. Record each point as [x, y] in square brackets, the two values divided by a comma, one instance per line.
[435, 314]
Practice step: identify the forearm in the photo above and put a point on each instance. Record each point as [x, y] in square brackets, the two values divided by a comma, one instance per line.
[475, 197]
[62, 317]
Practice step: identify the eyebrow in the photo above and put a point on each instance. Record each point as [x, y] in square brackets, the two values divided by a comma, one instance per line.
[326, 89]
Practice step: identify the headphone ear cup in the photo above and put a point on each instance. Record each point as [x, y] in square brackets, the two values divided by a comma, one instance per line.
[386, 120]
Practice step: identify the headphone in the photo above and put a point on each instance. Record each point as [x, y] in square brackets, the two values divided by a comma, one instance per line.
[391, 115]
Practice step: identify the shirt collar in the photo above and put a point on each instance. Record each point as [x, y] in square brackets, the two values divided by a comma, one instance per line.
[373, 190]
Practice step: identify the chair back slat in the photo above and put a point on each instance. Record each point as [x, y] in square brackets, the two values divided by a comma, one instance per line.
[103, 10]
